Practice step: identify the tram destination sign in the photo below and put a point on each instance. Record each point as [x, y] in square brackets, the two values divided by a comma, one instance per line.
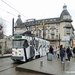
[17, 36]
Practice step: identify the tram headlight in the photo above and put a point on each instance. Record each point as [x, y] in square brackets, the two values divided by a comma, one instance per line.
[12, 50]
[19, 50]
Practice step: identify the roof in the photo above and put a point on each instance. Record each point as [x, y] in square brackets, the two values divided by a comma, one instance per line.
[27, 33]
[46, 21]
[64, 12]
[19, 21]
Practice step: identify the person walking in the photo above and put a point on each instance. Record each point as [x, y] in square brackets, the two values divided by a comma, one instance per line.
[71, 48]
[69, 54]
[51, 50]
[55, 51]
[65, 53]
[58, 52]
[74, 52]
[61, 53]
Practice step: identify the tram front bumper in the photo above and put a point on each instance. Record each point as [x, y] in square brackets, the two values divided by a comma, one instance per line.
[17, 58]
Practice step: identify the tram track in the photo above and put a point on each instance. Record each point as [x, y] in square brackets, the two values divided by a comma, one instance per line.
[7, 68]
[6, 64]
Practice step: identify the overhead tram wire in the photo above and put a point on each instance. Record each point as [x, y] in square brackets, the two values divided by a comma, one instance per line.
[9, 12]
[14, 9]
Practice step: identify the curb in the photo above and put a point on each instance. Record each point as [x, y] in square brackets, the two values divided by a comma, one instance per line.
[5, 56]
[32, 71]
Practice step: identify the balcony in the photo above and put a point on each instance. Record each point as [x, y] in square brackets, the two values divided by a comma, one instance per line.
[54, 39]
[68, 32]
[52, 27]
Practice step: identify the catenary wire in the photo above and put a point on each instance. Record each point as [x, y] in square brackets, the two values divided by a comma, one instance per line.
[14, 9]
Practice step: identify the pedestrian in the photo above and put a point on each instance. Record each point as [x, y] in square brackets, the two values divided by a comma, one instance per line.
[64, 49]
[55, 51]
[65, 54]
[69, 54]
[51, 50]
[58, 52]
[71, 50]
[74, 52]
[61, 53]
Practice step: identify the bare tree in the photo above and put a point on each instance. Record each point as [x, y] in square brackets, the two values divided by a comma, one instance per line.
[2, 28]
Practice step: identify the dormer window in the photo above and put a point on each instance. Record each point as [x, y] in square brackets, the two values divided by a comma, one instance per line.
[66, 17]
[69, 17]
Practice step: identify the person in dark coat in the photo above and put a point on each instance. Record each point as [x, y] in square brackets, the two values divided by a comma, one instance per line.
[51, 50]
[69, 54]
[74, 51]
[62, 53]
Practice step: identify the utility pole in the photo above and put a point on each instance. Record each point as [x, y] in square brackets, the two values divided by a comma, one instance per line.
[43, 32]
[13, 26]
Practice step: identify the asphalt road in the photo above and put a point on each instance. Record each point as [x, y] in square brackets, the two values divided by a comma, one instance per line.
[7, 67]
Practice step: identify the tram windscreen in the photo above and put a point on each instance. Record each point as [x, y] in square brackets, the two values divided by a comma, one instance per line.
[18, 43]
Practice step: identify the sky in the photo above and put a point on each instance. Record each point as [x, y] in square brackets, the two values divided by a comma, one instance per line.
[28, 9]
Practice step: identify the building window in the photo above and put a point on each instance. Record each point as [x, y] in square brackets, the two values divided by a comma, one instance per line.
[39, 33]
[46, 20]
[56, 36]
[56, 25]
[52, 37]
[48, 31]
[68, 34]
[54, 19]
[66, 17]
[56, 30]
[52, 26]
[48, 37]
[50, 19]
[52, 32]
[68, 30]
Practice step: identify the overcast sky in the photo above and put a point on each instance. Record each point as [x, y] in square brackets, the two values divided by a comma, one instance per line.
[38, 9]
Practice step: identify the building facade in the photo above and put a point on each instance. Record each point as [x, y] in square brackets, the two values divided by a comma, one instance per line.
[52, 29]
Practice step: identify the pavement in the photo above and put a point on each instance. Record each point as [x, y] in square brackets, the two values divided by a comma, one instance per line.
[54, 67]
[5, 55]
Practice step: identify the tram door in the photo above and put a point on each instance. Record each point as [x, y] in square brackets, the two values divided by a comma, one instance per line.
[32, 51]
[25, 45]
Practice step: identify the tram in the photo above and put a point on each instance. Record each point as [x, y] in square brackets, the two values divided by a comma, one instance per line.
[27, 46]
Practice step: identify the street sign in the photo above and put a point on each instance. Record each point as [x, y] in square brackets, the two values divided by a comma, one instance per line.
[42, 24]
[65, 38]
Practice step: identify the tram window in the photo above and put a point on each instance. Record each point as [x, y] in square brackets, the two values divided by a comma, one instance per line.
[36, 44]
[17, 43]
[43, 46]
[31, 42]
[25, 44]
[40, 46]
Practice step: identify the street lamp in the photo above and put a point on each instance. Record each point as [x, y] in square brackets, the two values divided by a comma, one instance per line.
[59, 39]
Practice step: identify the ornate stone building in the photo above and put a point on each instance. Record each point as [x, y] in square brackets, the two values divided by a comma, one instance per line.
[52, 29]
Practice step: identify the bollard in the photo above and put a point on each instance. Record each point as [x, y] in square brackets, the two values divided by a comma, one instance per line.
[41, 63]
[63, 66]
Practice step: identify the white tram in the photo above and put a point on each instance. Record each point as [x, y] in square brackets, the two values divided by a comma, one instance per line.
[27, 47]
